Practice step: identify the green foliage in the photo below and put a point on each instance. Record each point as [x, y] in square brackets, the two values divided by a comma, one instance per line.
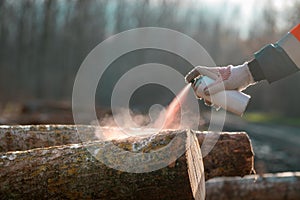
[271, 118]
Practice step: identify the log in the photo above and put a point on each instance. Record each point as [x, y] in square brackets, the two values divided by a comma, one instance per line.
[280, 186]
[26, 137]
[195, 166]
[68, 170]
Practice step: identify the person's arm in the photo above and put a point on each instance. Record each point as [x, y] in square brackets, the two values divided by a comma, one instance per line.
[276, 61]
[271, 63]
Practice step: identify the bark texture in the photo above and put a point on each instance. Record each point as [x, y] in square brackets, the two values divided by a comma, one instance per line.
[31, 167]
[281, 186]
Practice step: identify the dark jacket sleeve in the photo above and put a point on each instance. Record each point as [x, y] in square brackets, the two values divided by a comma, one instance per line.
[276, 61]
[271, 63]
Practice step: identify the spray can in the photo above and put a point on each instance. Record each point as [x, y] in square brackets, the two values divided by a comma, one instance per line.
[230, 100]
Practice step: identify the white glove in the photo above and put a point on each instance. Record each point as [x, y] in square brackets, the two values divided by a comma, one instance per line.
[228, 78]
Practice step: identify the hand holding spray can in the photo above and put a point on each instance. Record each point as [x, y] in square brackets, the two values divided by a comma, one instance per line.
[230, 100]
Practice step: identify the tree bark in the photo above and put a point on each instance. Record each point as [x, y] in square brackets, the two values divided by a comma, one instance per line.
[281, 186]
[70, 171]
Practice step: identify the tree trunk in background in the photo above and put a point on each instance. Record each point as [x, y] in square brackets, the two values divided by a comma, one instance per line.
[47, 31]
[70, 171]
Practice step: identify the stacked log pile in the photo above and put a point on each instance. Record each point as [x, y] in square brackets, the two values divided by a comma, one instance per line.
[52, 162]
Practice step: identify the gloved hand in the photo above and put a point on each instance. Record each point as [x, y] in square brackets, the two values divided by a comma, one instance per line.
[228, 78]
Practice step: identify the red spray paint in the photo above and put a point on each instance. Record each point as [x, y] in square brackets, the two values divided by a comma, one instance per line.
[167, 119]
[171, 117]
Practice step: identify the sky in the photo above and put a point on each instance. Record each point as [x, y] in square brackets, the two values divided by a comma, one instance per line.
[241, 14]
[247, 11]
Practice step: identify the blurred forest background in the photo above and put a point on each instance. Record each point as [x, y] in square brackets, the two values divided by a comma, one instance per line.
[43, 42]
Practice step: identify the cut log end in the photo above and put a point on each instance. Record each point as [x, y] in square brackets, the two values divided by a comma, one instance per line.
[195, 166]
